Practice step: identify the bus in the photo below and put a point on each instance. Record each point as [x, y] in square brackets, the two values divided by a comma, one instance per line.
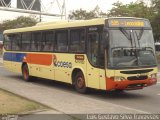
[112, 54]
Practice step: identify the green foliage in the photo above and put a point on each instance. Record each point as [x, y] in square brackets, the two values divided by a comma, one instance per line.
[84, 15]
[81, 15]
[137, 9]
[155, 21]
[18, 23]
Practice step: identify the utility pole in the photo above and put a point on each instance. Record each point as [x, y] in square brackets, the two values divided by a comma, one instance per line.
[40, 19]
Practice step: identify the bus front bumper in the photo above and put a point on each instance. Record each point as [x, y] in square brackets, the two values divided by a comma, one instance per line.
[129, 85]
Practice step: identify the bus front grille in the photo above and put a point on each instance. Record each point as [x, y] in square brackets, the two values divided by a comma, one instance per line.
[136, 71]
[137, 77]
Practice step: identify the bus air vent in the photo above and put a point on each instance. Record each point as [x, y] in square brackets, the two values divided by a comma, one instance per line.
[137, 77]
[136, 71]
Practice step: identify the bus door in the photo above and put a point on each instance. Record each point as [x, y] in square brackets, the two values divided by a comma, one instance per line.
[92, 65]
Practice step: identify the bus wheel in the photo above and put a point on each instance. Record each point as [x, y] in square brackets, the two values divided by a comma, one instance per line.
[25, 73]
[80, 85]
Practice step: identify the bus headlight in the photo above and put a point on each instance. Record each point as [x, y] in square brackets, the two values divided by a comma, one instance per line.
[154, 76]
[118, 78]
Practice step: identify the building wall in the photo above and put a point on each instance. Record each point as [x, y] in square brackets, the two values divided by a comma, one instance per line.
[6, 2]
[36, 5]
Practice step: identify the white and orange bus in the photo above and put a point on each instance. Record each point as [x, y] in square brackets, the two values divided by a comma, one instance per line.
[107, 54]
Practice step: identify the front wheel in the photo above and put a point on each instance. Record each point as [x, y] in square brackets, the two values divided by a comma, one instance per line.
[79, 84]
[25, 73]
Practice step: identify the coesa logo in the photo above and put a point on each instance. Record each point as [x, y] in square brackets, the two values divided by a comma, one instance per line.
[63, 64]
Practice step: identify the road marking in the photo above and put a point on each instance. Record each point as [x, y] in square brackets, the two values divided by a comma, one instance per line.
[129, 108]
[158, 94]
[1, 66]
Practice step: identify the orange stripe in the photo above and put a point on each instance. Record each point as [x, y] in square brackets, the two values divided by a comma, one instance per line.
[40, 59]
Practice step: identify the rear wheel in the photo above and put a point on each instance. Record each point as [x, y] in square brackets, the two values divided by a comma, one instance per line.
[79, 84]
[25, 73]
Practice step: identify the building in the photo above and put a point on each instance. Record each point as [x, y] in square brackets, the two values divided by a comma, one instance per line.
[4, 3]
[25, 4]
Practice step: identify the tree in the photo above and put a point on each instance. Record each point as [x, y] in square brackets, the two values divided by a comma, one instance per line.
[81, 15]
[84, 15]
[155, 6]
[18, 23]
[134, 9]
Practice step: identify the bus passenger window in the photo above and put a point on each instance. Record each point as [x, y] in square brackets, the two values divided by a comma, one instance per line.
[47, 41]
[93, 41]
[16, 41]
[61, 41]
[35, 44]
[26, 39]
[7, 42]
[77, 40]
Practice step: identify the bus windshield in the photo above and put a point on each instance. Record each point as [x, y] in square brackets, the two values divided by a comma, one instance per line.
[131, 48]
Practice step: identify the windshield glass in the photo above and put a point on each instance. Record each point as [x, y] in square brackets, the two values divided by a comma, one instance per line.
[131, 48]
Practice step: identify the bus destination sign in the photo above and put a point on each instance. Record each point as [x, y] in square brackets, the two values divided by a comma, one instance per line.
[128, 23]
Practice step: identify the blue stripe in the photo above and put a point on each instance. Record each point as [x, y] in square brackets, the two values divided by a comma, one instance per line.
[15, 57]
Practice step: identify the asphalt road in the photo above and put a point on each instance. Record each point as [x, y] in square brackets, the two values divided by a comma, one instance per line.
[137, 101]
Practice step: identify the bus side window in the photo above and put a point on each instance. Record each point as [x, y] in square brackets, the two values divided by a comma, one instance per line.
[7, 42]
[35, 44]
[77, 40]
[16, 41]
[93, 41]
[26, 39]
[47, 41]
[61, 41]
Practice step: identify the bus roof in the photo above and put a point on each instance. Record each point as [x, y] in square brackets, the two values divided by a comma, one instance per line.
[63, 24]
[56, 25]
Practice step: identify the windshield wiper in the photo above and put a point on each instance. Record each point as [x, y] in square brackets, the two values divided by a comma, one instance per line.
[139, 36]
[128, 36]
[125, 33]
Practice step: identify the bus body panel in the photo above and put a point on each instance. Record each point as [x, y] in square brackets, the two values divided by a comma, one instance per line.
[60, 73]
[130, 81]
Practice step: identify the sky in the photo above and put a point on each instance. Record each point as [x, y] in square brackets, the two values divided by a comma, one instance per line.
[52, 7]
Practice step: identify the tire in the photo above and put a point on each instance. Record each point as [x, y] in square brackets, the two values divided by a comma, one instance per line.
[79, 83]
[25, 73]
